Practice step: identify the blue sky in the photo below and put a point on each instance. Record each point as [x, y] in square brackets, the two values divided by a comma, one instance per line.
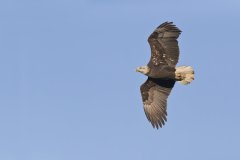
[69, 90]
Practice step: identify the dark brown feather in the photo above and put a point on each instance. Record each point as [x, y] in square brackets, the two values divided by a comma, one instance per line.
[164, 45]
[155, 92]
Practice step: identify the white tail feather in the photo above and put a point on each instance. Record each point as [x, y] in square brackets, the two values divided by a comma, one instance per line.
[185, 74]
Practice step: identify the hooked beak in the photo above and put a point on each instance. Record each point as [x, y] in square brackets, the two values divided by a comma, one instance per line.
[137, 69]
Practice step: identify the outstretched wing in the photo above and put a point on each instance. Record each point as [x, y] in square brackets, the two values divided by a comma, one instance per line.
[154, 95]
[164, 45]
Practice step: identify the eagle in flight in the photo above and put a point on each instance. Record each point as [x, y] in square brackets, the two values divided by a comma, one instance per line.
[162, 73]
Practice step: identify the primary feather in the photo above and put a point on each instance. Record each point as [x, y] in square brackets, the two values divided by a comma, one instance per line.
[164, 45]
[154, 95]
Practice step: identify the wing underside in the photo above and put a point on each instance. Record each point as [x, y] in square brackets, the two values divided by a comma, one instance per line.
[164, 45]
[154, 95]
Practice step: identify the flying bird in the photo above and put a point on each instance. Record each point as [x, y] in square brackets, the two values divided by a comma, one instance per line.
[162, 73]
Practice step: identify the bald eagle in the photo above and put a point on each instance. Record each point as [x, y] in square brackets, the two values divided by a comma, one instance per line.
[162, 73]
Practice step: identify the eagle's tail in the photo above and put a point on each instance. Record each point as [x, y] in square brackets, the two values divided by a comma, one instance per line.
[184, 74]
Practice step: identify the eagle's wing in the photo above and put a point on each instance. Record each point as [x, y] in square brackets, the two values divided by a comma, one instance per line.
[164, 45]
[154, 95]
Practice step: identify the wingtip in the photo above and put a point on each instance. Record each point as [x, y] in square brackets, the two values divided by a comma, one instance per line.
[169, 26]
[158, 126]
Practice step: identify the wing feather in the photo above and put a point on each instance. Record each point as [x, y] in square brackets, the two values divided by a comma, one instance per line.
[164, 45]
[154, 95]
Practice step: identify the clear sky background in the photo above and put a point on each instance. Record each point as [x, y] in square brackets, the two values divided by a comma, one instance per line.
[69, 90]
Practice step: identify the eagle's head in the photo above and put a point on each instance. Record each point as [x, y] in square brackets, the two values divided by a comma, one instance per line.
[143, 69]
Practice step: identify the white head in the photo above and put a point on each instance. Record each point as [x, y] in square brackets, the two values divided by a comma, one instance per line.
[143, 69]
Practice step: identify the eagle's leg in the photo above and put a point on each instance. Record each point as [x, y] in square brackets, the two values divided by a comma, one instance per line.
[184, 74]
